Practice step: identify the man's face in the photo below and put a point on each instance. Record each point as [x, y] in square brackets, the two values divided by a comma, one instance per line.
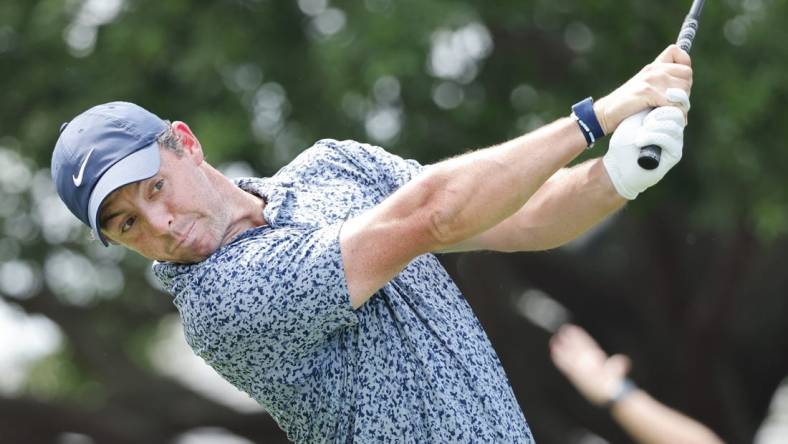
[177, 215]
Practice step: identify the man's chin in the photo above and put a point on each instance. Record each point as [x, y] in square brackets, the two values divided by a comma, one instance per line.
[195, 253]
[192, 258]
[196, 256]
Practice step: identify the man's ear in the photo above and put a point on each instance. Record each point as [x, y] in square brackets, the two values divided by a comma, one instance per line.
[190, 143]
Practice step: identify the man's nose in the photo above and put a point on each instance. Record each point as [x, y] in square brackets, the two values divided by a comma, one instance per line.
[160, 220]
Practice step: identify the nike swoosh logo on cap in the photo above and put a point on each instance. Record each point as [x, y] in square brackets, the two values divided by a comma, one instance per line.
[78, 177]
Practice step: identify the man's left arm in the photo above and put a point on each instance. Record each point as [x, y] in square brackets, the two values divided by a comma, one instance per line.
[575, 199]
[569, 203]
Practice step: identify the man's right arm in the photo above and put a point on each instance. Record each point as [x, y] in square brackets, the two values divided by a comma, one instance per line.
[449, 202]
[462, 197]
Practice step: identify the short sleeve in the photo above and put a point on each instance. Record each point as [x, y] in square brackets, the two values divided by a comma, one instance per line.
[279, 295]
[388, 168]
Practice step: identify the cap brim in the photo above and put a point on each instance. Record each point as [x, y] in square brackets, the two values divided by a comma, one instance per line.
[139, 165]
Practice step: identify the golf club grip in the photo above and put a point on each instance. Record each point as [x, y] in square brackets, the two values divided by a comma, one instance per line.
[687, 34]
[650, 155]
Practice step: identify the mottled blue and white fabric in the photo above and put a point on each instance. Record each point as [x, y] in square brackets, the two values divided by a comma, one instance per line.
[270, 311]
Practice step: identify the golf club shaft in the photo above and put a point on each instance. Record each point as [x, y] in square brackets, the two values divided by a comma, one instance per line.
[650, 155]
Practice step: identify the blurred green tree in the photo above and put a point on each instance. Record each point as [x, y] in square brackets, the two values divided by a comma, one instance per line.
[686, 280]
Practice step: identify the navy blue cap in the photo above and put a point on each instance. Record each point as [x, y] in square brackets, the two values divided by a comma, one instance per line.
[101, 150]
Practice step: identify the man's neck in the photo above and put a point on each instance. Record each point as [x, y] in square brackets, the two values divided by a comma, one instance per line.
[245, 209]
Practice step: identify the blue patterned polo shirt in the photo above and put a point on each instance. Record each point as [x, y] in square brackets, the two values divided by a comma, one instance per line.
[270, 312]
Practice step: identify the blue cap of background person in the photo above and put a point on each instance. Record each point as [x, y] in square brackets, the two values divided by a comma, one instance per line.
[101, 150]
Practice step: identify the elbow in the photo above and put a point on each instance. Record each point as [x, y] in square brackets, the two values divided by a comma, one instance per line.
[439, 219]
[442, 210]
[434, 214]
[442, 227]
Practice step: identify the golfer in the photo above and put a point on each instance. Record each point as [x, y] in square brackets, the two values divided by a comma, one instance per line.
[315, 290]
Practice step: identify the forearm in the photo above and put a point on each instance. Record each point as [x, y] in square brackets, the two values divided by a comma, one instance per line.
[567, 205]
[650, 422]
[471, 193]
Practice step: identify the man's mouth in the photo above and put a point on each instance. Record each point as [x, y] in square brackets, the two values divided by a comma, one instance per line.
[186, 237]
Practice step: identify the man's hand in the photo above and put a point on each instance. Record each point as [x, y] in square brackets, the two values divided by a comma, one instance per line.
[664, 127]
[647, 89]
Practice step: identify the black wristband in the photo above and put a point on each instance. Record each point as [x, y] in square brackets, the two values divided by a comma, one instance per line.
[583, 113]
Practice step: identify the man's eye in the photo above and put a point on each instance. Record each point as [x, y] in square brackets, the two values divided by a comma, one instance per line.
[158, 185]
[127, 224]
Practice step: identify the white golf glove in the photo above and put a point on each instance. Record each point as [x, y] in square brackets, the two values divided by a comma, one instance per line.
[664, 127]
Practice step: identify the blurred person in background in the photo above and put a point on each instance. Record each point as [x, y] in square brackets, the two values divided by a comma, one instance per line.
[774, 429]
[603, 381]
[315, 290]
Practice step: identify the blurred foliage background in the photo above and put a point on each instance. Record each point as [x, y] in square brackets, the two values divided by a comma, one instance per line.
[686, 280]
